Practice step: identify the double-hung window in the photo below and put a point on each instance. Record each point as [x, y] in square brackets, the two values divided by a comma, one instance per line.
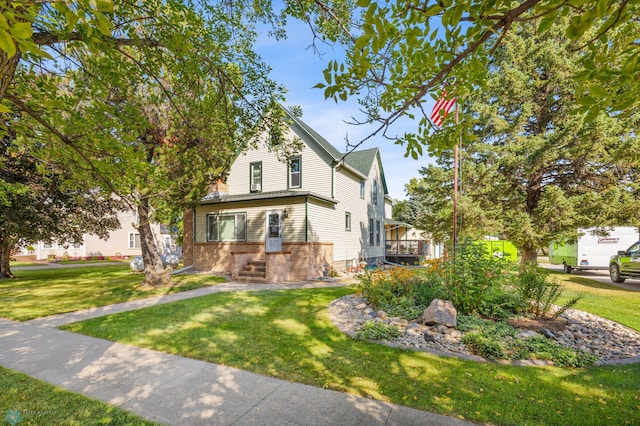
[347, 221]
[295, 166]
[134, 240]
[227, 227]
[377, 232]
[370, 232]
[255, 179]
[362, 189]
[374, 196]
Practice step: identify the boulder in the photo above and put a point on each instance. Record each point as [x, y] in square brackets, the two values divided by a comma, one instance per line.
[440, 312]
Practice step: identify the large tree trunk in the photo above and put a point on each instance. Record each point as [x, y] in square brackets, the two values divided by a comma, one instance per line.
[154, 273]
[5, 258]
[529, 255]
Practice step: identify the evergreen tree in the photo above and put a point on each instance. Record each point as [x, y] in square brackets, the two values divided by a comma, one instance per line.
[534, 170]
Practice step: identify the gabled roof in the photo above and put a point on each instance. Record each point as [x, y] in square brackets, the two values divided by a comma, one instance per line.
[363, 161]
[359, 162]
[315, 136]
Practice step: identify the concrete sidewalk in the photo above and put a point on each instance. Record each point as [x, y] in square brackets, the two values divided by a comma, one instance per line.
[181, 391]
[85, 314]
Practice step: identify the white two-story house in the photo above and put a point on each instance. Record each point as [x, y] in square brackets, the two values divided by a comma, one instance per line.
[274, 221]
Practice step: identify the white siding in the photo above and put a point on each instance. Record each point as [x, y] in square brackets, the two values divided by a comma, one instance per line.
[293, 225]
[350, 244]
[309, 220]
[315, 171]
[388, 209]
[116, 243]
[375, 212]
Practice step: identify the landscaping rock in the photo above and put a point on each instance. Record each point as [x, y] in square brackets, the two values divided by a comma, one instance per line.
[547, 333]
[526, 334]
[608, 340]
[428, 337]
[440, 312]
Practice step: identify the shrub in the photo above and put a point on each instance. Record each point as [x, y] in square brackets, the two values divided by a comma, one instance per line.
[376, 330]
[472, 278]
[502, 305]
[541, 294]
[400, 291]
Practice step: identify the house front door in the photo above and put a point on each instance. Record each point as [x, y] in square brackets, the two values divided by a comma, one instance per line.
[273, 241]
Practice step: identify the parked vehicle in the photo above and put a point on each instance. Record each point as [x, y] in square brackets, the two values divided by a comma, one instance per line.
[625, 264]
[592, 250]
[501, 248]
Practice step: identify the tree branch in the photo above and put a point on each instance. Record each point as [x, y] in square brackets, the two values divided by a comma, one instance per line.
[47, 38]
[65, 140]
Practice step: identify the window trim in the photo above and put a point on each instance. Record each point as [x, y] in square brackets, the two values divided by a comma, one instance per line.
[235, 227]
[374, 195]
[371, 236]
[251, 168]
[290, 174]
[347, 221]
[130, 241]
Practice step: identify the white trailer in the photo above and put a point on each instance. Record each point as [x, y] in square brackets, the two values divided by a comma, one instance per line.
[593, 250]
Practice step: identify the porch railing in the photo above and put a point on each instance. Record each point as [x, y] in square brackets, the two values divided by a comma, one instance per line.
[407, 248]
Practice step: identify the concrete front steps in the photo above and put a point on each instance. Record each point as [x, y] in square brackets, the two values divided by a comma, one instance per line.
[254, 271]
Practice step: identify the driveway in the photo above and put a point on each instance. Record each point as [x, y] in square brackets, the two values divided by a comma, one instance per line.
[601, 276]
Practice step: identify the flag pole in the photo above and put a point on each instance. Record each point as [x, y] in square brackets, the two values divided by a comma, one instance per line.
[455, 186]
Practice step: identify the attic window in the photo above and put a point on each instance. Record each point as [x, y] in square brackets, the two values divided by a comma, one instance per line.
[255, 177]
[294, 173]
[374, 197]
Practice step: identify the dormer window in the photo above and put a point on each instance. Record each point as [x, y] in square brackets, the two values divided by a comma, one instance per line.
[295, 180]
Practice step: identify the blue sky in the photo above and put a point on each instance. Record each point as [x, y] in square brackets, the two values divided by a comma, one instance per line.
[295, 65]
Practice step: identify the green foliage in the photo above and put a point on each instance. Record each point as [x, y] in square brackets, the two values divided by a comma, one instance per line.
[495, 340]
[541, 293]
[149, 103]
[473, 279]
[533, 169]
[399, 291]
[539, 347]
[486, 347]
[404, 307]
[377, 330]
[403, 52]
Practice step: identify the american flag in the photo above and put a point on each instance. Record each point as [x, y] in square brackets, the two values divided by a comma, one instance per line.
[443, 104]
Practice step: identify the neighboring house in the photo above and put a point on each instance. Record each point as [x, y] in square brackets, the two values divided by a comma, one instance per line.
[122, 242]
[406, 244]
[272, 221]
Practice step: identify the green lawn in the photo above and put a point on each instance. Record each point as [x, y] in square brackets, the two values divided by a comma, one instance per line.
[288, 334]
[605, 300]
[45, 292]
[27, 401]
